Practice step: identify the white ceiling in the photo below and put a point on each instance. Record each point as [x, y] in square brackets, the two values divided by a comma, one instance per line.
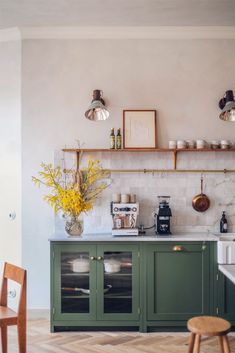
[117, 13]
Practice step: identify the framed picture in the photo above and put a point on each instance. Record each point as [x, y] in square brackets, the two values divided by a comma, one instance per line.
[139, 129]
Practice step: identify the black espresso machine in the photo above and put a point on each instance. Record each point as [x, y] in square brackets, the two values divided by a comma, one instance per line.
[162, 216]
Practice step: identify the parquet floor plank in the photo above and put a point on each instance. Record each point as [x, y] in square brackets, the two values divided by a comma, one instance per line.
[40, 340]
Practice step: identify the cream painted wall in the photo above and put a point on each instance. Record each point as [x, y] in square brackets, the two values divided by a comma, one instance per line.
[182, 79]
[10, 156]
[10, 151]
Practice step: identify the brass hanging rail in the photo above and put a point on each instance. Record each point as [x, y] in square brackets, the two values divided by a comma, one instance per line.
[145, 171]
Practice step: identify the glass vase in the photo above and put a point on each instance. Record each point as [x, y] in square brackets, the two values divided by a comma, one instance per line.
[74, 226]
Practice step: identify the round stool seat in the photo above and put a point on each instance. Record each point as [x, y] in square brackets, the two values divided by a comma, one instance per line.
[209, 326]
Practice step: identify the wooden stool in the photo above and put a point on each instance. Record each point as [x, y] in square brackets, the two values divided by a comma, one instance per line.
[208, 326]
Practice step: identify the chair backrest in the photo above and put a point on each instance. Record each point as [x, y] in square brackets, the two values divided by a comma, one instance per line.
[18, 275]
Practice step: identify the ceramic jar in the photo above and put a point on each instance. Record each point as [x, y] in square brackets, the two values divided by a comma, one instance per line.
[181, 144]
[125, 198]
[132, 198]
[201, 144]
[224, 144]
[172, 144]
[116, 197]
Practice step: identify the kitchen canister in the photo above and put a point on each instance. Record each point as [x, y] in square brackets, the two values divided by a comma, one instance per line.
[116, 197]
[125, 198]
[132, 198]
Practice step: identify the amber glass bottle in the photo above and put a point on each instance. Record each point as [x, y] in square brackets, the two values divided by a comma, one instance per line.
[118, 140]
[112, 139]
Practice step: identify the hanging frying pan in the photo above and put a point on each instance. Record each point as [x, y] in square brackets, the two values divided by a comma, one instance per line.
[201, 202]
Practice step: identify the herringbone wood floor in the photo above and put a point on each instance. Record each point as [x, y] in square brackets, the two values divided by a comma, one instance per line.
[40, 340]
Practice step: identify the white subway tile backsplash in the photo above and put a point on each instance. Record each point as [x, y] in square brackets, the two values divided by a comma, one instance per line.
[182, 187]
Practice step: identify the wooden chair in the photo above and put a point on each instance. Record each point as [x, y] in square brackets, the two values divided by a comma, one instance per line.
[208, 326]
[9, 317]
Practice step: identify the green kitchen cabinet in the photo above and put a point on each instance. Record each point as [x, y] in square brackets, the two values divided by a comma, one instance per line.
[138, 284]
[178, 281]
[94, 284]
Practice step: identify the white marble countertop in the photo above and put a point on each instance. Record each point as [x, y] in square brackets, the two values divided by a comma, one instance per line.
[228, 271]
[147, 237]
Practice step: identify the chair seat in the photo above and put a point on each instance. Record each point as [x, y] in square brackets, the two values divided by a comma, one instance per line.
[8, 316]
[209, 326]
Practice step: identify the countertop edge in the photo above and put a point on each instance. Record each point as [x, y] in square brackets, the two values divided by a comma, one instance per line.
[146, 238]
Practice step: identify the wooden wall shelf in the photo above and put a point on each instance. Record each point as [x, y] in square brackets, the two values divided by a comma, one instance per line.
[148, 150]
[174, 152]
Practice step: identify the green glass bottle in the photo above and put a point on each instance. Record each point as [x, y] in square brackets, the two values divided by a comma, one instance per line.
[112, 139]
[118, 140]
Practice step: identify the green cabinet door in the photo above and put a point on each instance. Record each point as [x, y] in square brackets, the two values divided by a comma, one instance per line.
[177, 280]
[226, 298]
[73, 282]
[117, 282]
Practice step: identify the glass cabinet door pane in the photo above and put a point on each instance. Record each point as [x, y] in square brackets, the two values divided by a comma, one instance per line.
[117, 282]
[75, 282]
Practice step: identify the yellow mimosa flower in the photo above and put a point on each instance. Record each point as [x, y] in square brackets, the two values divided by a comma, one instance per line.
[72, 192]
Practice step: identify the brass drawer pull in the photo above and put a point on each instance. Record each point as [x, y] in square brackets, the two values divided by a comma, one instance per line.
[178, 248]
[92, 258]
[99, 258]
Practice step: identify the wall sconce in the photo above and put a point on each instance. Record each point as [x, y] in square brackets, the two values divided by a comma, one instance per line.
[97, 110]
[227, 105]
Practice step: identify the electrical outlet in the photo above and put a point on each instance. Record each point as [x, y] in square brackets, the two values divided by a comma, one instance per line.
[12, 293]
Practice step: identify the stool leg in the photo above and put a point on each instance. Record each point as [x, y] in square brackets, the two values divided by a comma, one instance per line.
[221, 344]
[226, 344]
[191, 343]
[197, 343]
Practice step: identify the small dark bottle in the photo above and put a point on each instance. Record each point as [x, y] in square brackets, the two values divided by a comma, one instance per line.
[223, 224]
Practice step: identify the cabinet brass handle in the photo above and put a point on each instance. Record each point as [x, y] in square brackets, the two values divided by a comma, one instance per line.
[178, 248]
[93, 258]
[99, 258]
